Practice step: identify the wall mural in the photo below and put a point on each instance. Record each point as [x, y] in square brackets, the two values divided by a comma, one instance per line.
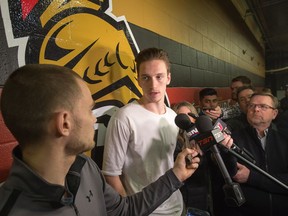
[82, 35]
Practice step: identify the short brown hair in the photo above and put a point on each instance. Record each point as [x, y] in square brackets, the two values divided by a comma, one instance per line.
[274, 99]
[242, 88]
[152, 54]
[30, 96]
[245, 80]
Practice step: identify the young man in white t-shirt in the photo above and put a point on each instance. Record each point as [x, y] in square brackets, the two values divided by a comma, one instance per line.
[141, 136]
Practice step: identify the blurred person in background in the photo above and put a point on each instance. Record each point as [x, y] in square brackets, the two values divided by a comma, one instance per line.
[236, 83]
[209, 103]
[284, 102]
[233, 109]
[244, 94]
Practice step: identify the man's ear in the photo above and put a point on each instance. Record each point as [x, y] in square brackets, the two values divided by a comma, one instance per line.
[64, 123]
[168, 78]
[275, 113]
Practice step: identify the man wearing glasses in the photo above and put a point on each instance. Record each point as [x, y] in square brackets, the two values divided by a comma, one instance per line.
[270, 150]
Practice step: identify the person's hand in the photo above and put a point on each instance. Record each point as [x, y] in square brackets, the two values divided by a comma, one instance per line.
[183, 170]
[214, 113]
[228, 141]
[242, 174]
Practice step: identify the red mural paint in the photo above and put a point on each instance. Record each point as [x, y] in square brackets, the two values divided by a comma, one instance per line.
[27, 6]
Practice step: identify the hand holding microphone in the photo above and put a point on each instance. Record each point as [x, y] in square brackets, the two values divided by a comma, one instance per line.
[183, 170]
[207, 140]
[192, 132]
[241, 151]
[183, 122]
[207, 137]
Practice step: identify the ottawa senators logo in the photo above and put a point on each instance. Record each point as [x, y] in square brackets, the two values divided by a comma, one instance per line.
[82, 35]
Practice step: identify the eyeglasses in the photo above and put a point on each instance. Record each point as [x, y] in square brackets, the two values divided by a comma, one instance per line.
[263, 107]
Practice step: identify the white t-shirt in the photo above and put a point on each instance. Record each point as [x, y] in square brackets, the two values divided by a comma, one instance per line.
[139, 145]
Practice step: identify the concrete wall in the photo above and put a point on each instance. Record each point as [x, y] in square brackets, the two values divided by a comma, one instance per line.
[213, 28]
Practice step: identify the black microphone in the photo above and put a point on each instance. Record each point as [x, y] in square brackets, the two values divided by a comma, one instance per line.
[242, 151]
[207, 140]
[183, 122]
[222, 126]
[208, 136]
[243, 154]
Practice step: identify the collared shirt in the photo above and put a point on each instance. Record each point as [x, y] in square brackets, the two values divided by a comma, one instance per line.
[263, 139]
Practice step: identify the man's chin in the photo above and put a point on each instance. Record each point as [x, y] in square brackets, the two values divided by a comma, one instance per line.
[91, 146]
[87, 150]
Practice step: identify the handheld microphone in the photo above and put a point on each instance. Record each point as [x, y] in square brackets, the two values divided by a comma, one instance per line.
[244, 155]
[184, 123]
[207, 140]
[207, 135]
[222, 126]
[242, 151]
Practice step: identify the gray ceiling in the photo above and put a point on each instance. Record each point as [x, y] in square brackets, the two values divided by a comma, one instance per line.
[272, 17]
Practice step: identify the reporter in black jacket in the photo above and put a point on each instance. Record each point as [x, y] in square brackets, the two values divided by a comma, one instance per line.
[270, 150]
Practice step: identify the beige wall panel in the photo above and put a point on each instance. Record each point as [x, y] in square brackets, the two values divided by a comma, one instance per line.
[180, 31]
[227, 56]
[208, 46]
[196, 40]
[204, 25]
[227, 43]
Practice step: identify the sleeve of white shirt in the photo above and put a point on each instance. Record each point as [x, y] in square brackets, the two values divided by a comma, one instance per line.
[115, 146]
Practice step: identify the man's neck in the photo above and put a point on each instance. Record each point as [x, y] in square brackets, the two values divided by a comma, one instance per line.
[158, 108]
[50, 165]
[261, 130]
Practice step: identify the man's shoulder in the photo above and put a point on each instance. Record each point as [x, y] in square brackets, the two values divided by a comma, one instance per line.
[242, 132]
[128, 108]
[124, 112]
[8, 198]
[87, 161]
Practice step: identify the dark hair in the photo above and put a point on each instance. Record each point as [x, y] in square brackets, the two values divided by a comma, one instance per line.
[245, 80]
[152, 54]
[207, 91]
[266, 90]
[242, 88]
[274, 99]
[31, 95]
